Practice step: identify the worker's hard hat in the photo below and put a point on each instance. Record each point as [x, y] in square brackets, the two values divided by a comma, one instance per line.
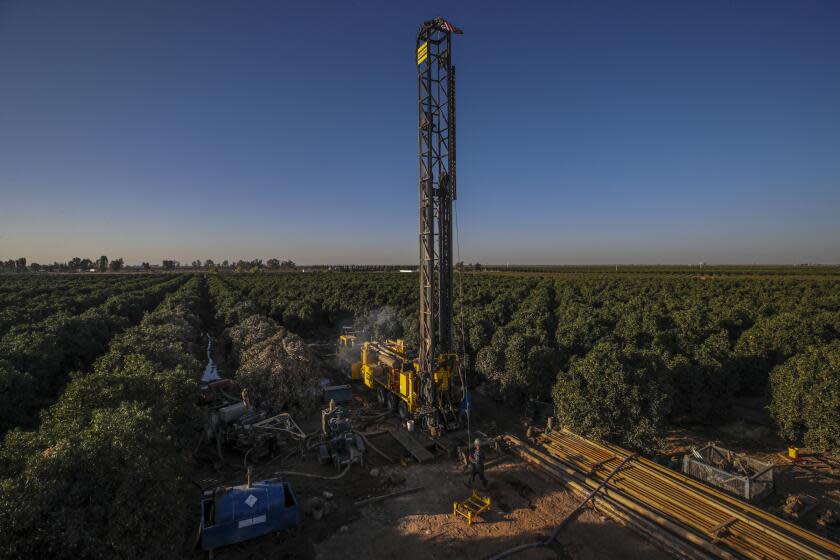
[476, 442]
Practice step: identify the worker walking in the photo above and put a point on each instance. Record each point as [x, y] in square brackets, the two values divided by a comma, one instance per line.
[477, 464]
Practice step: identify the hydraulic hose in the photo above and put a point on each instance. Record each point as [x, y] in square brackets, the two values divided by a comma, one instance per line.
[318, 476]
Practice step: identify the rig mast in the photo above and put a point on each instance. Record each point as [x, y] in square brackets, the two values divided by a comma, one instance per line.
[437, 175]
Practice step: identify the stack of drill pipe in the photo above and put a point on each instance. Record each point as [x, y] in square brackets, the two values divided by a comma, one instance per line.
[622, 511]
[755, 533]
[719, 524]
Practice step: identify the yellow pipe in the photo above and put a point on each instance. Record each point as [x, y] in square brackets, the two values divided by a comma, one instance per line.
[719, 496]
[572, 479]
[708, 508]
[755, 530]
[722, 496]
[745, 548]
[704, 518]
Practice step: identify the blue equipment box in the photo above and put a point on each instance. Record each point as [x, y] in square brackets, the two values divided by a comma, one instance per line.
[240, 513]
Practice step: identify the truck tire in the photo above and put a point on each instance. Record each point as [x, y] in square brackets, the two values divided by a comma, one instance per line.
[392, 402]
[380, 396]
[402, 409]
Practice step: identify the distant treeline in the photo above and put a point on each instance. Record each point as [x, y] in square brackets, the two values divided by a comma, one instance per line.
[700, 269]
[76, 264]
[103, 264]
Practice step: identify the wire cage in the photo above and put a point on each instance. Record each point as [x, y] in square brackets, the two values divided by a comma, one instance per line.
[736, 473]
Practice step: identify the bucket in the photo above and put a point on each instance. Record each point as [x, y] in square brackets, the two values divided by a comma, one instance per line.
[409, 425]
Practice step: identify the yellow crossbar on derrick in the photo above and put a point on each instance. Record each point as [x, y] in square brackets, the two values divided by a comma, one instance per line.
[422, 53]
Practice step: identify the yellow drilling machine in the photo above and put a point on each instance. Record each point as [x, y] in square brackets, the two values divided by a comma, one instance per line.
[400, 385]
[426, 388]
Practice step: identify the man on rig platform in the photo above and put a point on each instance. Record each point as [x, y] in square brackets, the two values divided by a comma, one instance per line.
[477, 464]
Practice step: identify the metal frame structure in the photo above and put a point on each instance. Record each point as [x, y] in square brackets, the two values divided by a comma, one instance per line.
[437, 176]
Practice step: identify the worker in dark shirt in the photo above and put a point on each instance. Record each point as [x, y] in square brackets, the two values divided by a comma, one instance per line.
[477, 464]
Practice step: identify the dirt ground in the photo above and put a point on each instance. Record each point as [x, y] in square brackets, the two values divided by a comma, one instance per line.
[525, 508]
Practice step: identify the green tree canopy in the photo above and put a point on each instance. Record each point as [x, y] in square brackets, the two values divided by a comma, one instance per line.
[806, 397]
[615, 393]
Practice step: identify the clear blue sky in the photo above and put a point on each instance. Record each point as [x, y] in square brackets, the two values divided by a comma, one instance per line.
[589, 132]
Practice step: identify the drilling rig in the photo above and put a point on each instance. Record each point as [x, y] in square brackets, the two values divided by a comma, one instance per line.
[427, 388]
